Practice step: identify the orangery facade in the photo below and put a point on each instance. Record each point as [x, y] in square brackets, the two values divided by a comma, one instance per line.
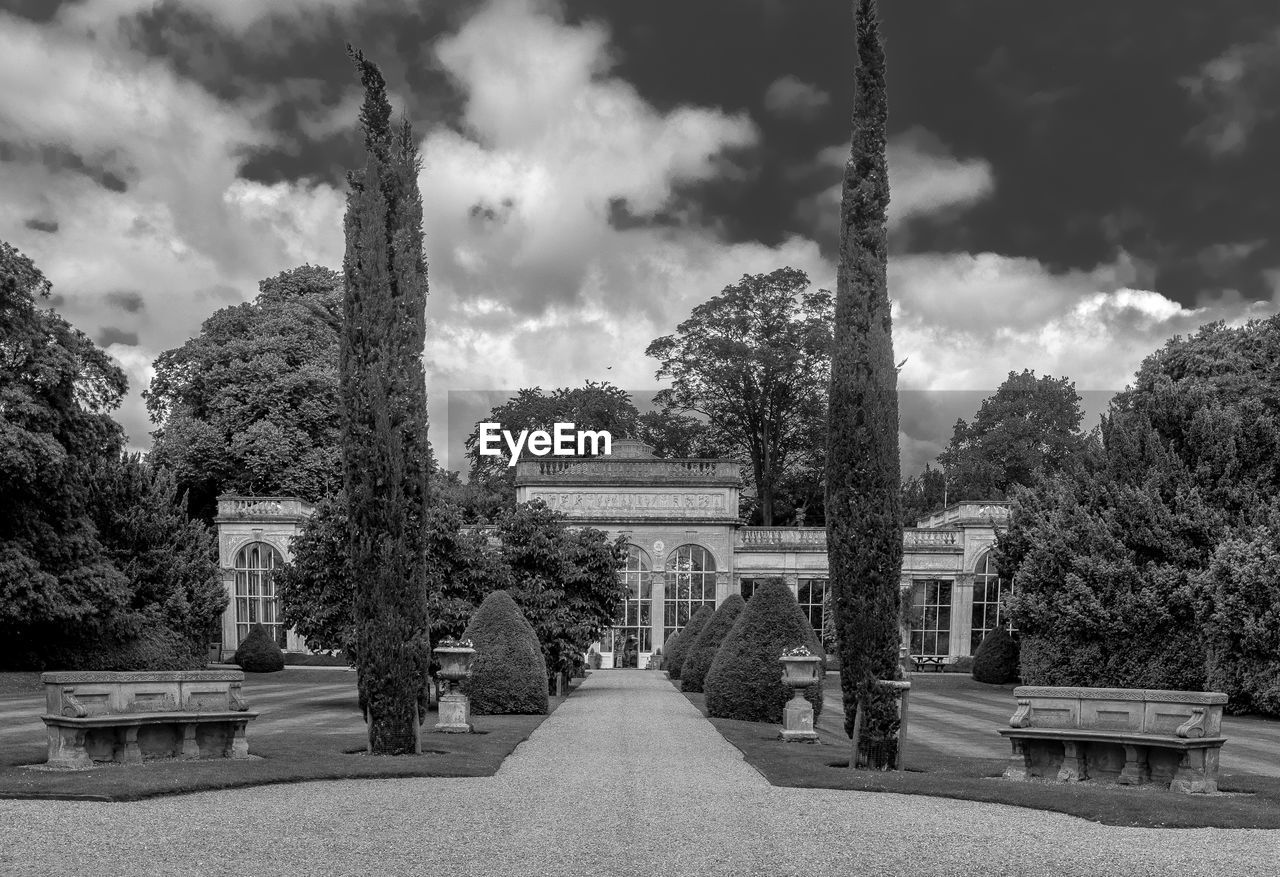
[687, 548]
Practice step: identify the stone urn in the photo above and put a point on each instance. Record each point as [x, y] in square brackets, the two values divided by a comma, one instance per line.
[455, 661]
[799, 670]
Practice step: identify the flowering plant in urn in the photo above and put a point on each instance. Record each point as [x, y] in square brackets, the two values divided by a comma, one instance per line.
[799, 667]
[455, 657]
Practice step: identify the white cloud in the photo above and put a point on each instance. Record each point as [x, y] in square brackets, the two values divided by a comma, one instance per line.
[965, 321]
[925, 179]
[790, 96]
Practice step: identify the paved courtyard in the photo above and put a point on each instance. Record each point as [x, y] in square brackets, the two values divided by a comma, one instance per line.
[626, 777]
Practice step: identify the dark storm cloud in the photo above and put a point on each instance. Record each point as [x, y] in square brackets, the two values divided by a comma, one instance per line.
[128, 300]
[48, 226]
[110, 335]
[1084, 113]
[57, 158]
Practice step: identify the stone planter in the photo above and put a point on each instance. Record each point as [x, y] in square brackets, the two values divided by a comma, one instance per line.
[455, 707]
[799, 671]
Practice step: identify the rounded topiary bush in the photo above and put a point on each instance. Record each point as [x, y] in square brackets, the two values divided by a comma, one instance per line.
[677, 652]
[745, 679]
[697, 660]
[509, 674]
[259, 652]
[996, 661]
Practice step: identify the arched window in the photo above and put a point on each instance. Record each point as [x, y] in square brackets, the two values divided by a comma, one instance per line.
[633, 631]
[989, 591]
[256, 601]
[690, 585]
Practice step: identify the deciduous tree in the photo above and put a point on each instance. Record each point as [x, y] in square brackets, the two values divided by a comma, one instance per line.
[754, 361]
[1029, 427]
[57, 582]
[250, 405]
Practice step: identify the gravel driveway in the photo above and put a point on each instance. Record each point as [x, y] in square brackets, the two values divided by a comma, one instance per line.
[624, 778]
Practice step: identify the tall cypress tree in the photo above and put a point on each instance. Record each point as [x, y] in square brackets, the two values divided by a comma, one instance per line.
[864, 528]
[384, 435]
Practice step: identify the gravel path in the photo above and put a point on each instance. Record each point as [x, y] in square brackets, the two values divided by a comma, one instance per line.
[624, 778]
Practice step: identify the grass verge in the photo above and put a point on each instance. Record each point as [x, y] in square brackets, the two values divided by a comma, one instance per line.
[312, 724]
[1254, 804]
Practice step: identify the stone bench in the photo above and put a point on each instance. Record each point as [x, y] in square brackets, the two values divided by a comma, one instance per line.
[134, 717]
[1123, 735]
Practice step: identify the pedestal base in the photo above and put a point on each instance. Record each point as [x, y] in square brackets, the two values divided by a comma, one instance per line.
[797, 722]
[455, 714]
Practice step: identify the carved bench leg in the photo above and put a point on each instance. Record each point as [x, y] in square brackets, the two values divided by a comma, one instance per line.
[1073, 764]
[190, 748]
[67, 749]
[1019, 767]
[1197, 773]
[129, 751]
[239, 743]
[1136, 771]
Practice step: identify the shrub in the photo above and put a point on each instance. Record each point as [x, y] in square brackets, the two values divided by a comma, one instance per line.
[676, 653]
[259, 652]
[996, 661]
[153, 647]
[697, 660]
[1242, 594]
[745, 679]
[959, 665]
[509, 674]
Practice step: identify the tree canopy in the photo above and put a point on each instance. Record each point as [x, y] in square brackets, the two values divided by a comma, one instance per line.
[1140, 566]
[1030, 426]
[250, 405]
[754, 361]
[57, 388]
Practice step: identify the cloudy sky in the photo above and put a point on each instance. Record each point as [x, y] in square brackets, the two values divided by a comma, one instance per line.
[1072, 183]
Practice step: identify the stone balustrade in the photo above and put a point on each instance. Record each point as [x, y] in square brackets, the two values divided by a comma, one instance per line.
[251, 507]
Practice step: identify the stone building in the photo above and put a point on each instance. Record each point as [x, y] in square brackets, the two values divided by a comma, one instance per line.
[686, 548]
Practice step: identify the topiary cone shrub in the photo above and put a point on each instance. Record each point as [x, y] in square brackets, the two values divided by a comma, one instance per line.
[677, 652]
[996, 661]
[697, 660]
[259, 652]
[745, 679]
[509, 674]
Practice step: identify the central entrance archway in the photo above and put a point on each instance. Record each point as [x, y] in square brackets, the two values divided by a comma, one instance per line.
[630, 642]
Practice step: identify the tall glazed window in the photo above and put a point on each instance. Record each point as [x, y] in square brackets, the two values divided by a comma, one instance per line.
[256, 600]
[989, 594]
[931, 618]
[632, 633]
[690, 585]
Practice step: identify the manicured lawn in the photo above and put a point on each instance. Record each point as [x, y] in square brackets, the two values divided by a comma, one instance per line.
[1255, 802]
[308, 722]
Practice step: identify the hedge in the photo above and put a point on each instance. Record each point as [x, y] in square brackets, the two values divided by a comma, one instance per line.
[153, 647]
[676, 653]
[745, 679]
[996, 661]
[509, 674]
[697, 660]
[259, 652]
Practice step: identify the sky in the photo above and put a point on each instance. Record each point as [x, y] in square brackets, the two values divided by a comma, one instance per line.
[1071, 184]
